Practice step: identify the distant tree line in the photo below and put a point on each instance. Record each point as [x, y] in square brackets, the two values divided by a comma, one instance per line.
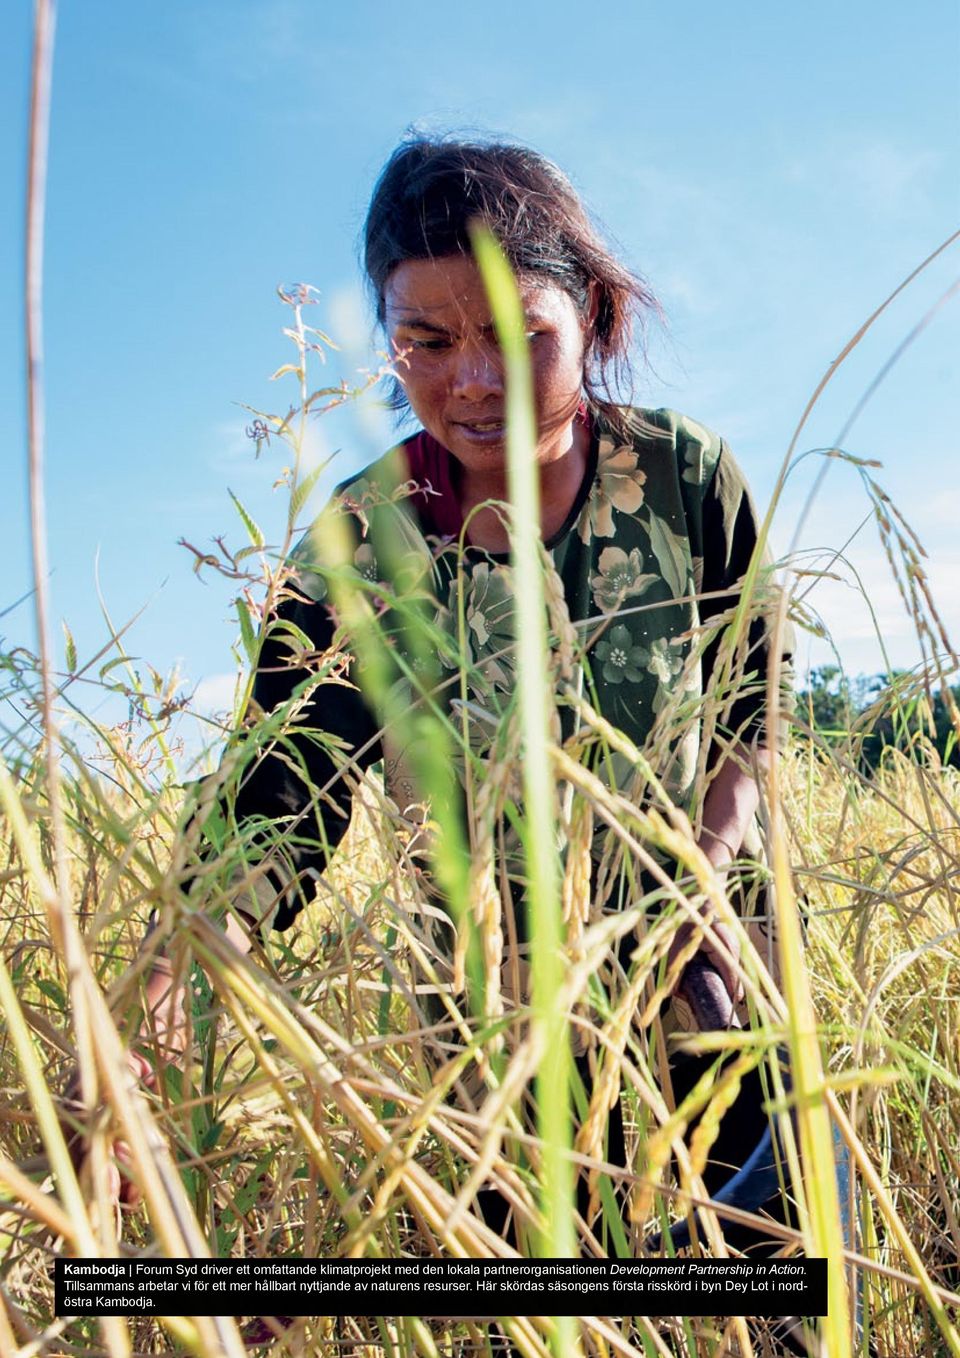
[870, 714]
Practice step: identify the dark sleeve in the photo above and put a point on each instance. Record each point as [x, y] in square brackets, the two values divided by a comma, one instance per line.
[739, 679]
[309, 734]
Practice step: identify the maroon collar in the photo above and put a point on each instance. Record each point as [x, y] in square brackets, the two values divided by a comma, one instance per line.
[430, 466]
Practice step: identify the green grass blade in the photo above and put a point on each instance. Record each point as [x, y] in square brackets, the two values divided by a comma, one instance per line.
[536, 700]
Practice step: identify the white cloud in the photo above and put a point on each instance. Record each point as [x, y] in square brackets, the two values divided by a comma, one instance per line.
[863, 610]
[890, 175]
[215, 694]
[230, 444]
[887, 177]
[680, 289]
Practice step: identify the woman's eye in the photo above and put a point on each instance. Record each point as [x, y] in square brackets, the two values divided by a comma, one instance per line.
[431, 345]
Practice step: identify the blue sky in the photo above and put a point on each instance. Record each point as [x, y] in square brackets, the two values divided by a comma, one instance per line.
[774, 171]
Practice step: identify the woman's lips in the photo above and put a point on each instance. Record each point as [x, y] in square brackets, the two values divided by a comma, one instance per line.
[482, 431]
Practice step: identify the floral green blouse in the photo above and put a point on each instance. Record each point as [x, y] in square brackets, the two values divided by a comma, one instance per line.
[649, 562]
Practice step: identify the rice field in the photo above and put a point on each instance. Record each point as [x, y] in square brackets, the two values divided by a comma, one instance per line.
[318, 1115]
[359, 1086]
[326, 1109]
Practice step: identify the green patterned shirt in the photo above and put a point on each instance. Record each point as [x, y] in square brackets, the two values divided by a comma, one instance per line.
[649, 561]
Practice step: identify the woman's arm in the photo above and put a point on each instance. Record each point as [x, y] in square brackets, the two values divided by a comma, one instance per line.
[729, 806]
[279, 786]
[737, 693]
[731, 803]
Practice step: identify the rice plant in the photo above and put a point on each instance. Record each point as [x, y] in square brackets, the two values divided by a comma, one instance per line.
[374, 1082]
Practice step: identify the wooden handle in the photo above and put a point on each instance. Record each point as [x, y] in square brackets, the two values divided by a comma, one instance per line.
[702, 987]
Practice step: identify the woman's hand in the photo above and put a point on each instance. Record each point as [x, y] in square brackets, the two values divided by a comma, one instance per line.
[722, 951]
[163, 1032]
[121, 1188]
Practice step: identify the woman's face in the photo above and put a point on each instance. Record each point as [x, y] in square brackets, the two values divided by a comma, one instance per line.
[438, 318]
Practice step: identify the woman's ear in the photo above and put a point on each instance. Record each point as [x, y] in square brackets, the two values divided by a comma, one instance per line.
[588, 321]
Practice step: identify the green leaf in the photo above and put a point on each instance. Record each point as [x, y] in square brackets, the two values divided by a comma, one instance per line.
[321, 392]
[287, 368]
[71, 648]
[253, 530]
[191, 1182]
[225, 1240]
[246, 1196]
[52, 992]
[285, 628]
[243, 553]
[322, 335]
[247, 634]
[112, 664]
[210, 1137]
[215, 827]
[301, 493]
[383, 1018]
[201, 991]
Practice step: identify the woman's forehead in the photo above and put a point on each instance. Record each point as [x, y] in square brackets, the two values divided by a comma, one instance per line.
[450, 288]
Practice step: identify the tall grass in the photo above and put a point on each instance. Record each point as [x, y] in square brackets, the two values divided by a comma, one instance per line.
[539, 792]
[325, 1107]
[325, 1110]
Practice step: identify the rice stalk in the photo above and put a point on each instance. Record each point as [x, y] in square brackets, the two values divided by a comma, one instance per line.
[535, 696]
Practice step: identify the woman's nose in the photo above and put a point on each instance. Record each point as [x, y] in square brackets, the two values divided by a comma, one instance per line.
[477, 371]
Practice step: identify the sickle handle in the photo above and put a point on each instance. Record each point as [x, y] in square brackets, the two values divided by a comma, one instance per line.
[701, 986]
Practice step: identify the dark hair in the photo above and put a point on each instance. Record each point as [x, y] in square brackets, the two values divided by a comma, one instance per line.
[428, 192]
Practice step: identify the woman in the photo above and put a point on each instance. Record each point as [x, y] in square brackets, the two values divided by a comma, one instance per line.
[645, 515]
